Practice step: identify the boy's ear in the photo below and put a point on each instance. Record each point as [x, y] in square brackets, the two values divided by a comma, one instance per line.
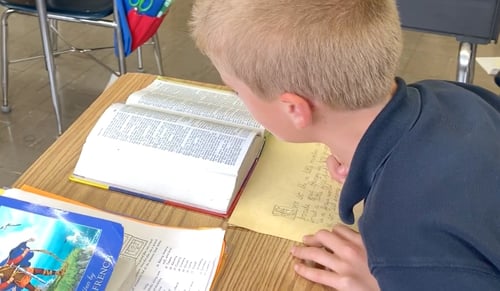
[298, 109]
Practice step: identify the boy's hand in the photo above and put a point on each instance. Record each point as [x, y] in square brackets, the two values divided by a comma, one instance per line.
[335, 258]
[337, 170]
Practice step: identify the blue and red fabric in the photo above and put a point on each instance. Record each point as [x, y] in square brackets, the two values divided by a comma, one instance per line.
[140, 19]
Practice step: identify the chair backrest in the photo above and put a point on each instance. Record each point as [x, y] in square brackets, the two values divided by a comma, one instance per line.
[86, 9]
[475, 21]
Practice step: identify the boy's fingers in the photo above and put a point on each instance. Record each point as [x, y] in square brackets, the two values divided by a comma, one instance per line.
[321, 276]
[317, 255]
[337, 171]
[311, 240]
[325, 238]
[347, 233]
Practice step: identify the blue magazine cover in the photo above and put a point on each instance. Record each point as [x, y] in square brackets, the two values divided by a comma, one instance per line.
[51, 249]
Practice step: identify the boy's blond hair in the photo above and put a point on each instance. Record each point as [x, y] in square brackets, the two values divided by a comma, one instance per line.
[342, 52]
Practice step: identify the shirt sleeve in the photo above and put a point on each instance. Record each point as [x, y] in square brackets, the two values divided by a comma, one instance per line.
[432, 278]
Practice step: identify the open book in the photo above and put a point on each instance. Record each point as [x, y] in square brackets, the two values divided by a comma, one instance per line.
[165, 258]
[51, 248]
[174, 142]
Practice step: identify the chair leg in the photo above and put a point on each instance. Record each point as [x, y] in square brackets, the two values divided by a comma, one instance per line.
[5, 60]
[49, 60]
[122, 66]
[140, 65]
[54, 26]
[157, 52]
[466, 62]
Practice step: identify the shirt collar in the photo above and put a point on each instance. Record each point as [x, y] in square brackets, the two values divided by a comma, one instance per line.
[397, 118]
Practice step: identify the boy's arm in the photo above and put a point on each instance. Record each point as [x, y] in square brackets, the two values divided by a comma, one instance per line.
[427, 278]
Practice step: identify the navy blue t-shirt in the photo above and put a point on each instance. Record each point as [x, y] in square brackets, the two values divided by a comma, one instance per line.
[428, 170]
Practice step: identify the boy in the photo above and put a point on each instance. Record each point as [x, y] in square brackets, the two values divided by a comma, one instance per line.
[424, 158]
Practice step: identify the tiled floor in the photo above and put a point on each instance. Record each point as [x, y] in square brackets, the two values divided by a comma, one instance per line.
[31, 127]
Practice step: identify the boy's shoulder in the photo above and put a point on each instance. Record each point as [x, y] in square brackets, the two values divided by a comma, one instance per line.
[443, 87]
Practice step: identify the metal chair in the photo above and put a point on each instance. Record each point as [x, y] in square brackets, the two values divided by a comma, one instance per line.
[102, 13]
[470, 22]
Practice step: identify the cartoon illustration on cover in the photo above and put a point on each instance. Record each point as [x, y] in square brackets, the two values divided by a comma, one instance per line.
[41, 252]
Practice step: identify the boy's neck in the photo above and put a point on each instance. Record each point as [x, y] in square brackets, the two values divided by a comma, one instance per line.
[342, 130]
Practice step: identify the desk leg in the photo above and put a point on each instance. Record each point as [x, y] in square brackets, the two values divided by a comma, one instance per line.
[466, 61]
[49, 59]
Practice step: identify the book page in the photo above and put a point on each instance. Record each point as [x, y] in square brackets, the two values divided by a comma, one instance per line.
[166, 258]
[290, 194]
[191, 100]
[160, 155]
[213, 146]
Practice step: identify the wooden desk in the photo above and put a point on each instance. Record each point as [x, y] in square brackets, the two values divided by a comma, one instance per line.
[254, 261]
